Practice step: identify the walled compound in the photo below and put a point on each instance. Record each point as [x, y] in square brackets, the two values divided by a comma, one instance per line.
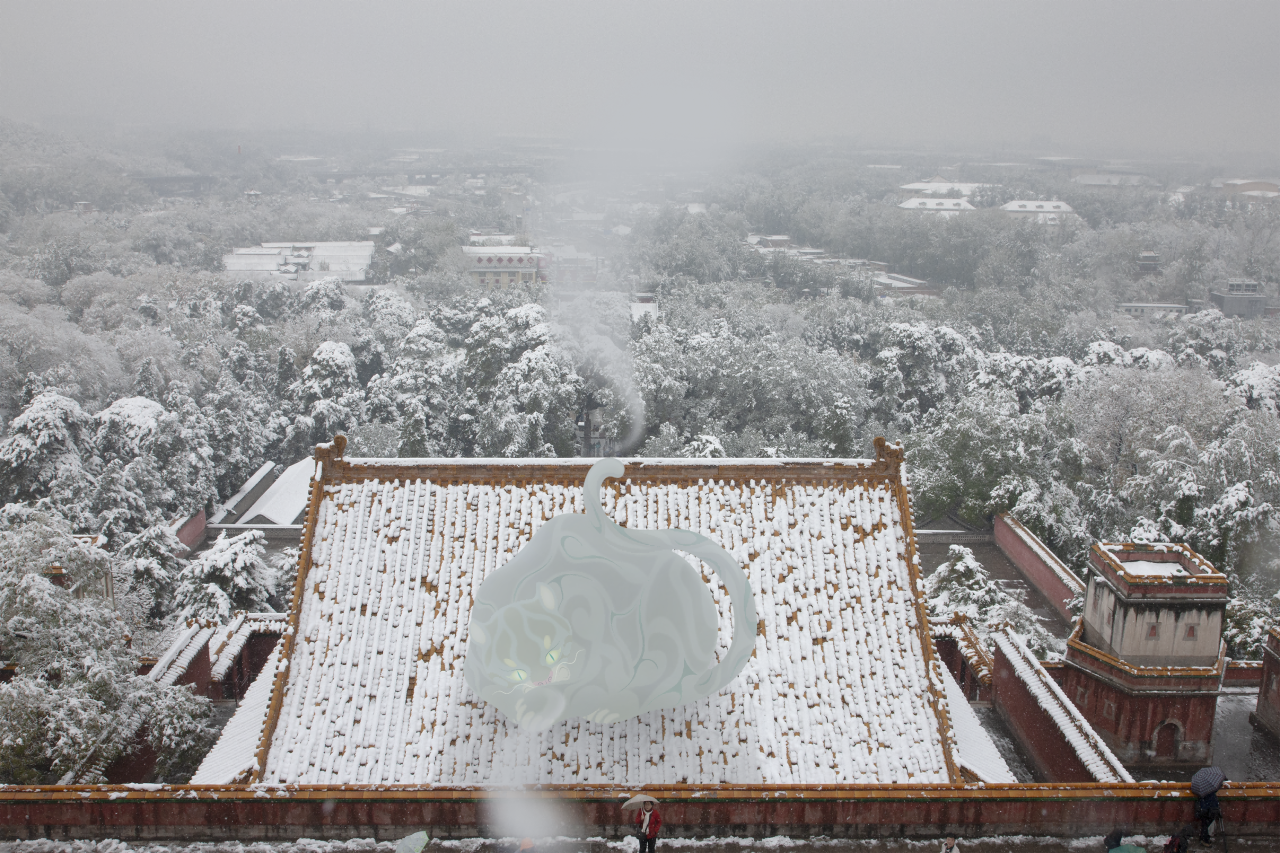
[852, 718]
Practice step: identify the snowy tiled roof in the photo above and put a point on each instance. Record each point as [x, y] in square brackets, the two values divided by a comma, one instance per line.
[959, 629]
[229, 640]
[843, 686]
[234, 756]
[237, 502]
[941, 186]
[285, 499]
[174, 662]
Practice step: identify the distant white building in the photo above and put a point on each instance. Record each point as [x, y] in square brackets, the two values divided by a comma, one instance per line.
[348, 261]
[941, 206]
[1250, 185]
[1153, 309]
[644, 304]
[894, 286]
[1044, 212]
[478, 238]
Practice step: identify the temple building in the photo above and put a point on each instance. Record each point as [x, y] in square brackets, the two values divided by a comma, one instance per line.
[1146, 661]
[504, 265]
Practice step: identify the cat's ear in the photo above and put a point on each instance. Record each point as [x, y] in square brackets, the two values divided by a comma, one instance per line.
[477, 634]
[547, 596]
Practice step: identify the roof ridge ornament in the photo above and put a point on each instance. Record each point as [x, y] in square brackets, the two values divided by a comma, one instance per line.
[598, 621]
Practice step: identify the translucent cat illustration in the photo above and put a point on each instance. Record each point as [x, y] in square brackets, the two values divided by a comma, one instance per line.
[594, 620]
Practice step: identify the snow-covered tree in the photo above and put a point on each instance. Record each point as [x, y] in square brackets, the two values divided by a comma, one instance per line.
[391, 316]
[146, 570]
[705, 446]
[43, 451]
[232, 574]
[1249, 618]
[962, 585]
[325, 295]
[158, 466]
[33, 538]
[148, 381]
[329, 390]
[76, 701]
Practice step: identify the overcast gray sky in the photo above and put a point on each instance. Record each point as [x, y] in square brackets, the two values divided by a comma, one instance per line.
[1104, 76]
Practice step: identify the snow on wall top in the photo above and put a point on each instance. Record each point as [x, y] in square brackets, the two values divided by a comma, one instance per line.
[842, 687]
[1046, 556]
[1092, 751]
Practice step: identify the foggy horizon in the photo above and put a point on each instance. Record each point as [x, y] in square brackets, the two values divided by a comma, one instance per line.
[1086, 79]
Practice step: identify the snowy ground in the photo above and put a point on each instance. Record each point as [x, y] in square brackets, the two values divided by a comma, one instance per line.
[999, 844]
[1003, 740]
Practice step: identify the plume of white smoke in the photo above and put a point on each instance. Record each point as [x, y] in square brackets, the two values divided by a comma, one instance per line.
[594, 330]
[522, 814]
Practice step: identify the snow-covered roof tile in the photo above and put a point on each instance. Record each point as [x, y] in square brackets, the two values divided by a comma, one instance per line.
[231, 639]
[959, 629]
[234, 756]
[842, 687]
[173, 664]
[179, 642]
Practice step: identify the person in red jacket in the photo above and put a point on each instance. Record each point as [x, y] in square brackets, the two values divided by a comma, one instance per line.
[648, 822]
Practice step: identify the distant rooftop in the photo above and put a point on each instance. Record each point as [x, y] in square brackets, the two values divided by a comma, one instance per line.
[497, 250]
[1019, 206]
[939, 187]
[940, 205]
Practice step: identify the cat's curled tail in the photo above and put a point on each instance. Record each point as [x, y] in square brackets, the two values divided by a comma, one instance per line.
[726, 568]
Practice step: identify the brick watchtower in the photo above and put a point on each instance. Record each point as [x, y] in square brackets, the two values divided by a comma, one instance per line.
[1145, 663]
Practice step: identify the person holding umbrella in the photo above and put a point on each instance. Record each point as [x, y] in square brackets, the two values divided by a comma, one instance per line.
[1205, 785]
[648, 821]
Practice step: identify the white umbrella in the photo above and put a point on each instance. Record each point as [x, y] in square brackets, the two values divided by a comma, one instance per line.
[412, 843]
[636, 801]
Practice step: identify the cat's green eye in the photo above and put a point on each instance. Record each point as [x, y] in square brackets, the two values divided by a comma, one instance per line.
[552, 656]
[519, 675]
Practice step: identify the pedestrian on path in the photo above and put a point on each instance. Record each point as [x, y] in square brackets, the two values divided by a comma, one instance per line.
[950, 846]
[648, 822]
